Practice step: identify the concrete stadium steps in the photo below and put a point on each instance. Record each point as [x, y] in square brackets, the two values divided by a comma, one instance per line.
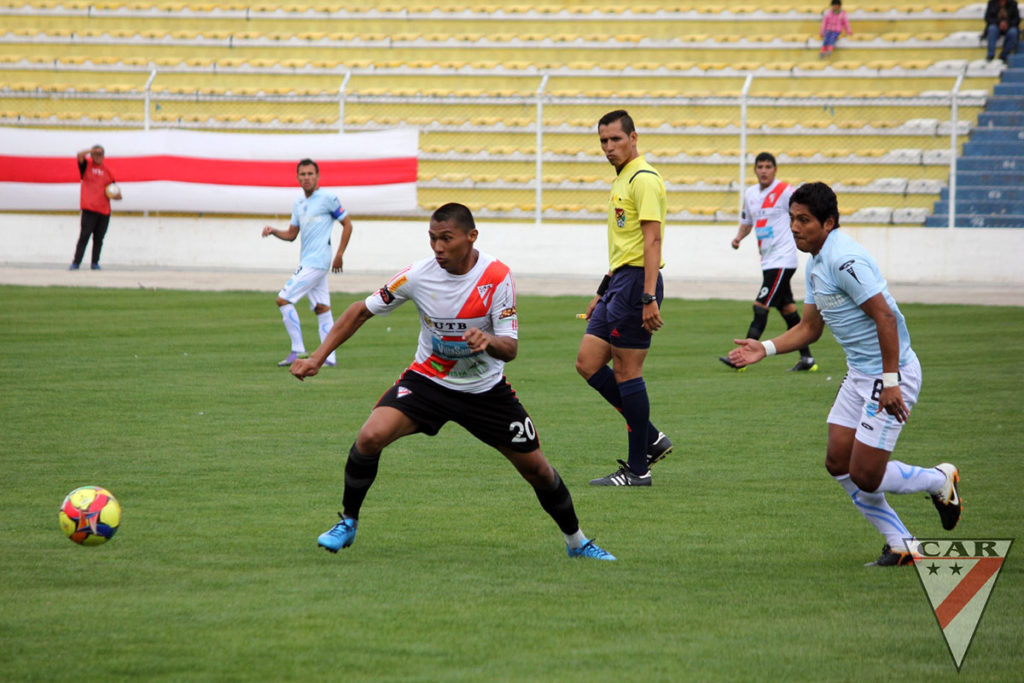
[990, 172]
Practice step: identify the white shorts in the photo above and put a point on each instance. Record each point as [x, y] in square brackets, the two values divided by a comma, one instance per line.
[307, 282]
[856, 406]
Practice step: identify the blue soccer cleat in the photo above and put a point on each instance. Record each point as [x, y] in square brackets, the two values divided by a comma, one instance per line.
[592, 550]
[339, 536]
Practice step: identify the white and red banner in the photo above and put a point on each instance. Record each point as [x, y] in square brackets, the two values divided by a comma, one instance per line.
[197, 172]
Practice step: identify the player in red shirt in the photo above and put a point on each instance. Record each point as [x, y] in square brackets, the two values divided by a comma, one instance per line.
[94, 202]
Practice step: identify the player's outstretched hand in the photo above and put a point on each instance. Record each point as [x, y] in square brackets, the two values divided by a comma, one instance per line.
[303, 368]
[267, 230]
[747, 352]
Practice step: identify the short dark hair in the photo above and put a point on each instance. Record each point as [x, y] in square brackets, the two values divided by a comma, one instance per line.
[618, 115]
[837, 2]
[307, 162]
[820, 200]
[765, 156]
[459, 214]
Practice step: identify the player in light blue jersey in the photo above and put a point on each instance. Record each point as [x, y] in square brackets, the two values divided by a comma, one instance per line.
[846, 291]
[313, 217]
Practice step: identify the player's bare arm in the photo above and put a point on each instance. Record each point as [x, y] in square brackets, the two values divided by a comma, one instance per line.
[346, 234]
[652, 264]
[891, 398]
[740, 234]
[807, 331]
[344, 327]
[288, 235]
[502, 348]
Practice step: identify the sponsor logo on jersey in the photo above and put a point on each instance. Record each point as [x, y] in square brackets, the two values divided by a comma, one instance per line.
[385, 295]
[507, 313]
[958, 577]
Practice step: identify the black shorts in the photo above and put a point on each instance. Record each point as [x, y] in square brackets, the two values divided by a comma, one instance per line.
[775, 290]
[495, 416]
[618, 318]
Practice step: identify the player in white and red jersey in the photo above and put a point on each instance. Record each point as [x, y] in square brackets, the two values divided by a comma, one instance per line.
[766, 210]
[468, 331]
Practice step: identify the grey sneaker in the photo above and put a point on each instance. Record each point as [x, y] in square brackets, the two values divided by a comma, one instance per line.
[292, 357]
[623, 477]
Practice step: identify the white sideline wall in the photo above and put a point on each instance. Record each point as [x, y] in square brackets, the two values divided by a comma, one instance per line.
[694, 253]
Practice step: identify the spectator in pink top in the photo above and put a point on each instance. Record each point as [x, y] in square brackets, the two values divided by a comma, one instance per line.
[834, 23]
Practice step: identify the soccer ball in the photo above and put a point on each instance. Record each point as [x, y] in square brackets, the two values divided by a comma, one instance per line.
[90, 515]
[112, 190]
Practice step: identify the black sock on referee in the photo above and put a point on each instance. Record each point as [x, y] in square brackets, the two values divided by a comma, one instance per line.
[557, 502]
[360, 471]
[792, 320]
[605, 384]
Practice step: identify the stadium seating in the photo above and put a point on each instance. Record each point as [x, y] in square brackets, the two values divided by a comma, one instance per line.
[872, 120]
[990, 174]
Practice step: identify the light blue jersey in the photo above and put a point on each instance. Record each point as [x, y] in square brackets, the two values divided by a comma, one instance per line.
[841, 277]
[315, 216]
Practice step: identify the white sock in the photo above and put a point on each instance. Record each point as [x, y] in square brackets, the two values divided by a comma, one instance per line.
[902, 478]
[291, 325]
[325, 322]
[876, 510]
[575, 540]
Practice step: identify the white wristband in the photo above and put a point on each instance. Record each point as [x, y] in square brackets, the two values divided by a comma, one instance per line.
[769, 347]
[890, 379]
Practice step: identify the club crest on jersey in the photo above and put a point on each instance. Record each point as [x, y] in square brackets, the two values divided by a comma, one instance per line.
[848, 267]
[485, 292]
[620, 217]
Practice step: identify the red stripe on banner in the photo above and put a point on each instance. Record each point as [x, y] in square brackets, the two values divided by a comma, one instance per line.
[967, 589]
[212, 171]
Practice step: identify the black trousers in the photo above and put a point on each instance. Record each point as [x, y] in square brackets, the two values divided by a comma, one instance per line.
[94, 225]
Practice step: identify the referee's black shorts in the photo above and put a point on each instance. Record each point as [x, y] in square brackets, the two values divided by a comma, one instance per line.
[495, 416]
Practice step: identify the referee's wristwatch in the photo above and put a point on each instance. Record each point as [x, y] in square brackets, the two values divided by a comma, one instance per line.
[646, 298]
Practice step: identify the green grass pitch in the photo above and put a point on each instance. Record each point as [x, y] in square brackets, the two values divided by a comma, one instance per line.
[743, 562]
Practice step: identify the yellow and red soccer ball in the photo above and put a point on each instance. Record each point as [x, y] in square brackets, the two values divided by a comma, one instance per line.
[90, 515]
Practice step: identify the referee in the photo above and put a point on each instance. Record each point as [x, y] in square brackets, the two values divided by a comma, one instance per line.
[627, 308]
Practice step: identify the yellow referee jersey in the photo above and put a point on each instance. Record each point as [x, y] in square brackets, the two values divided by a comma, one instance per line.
[638, 194]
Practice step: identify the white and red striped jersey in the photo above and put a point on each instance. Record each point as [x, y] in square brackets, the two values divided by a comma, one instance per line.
[448, 305]
[768, 211]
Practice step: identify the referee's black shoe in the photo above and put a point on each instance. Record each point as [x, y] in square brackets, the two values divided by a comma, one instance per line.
[623, 477]
[658, 449]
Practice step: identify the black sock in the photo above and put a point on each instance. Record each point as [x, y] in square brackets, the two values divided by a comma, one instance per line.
[360, 471]
[759, 322]
[557, 502]
[604, 383]
[792, 319]
[636, 408]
